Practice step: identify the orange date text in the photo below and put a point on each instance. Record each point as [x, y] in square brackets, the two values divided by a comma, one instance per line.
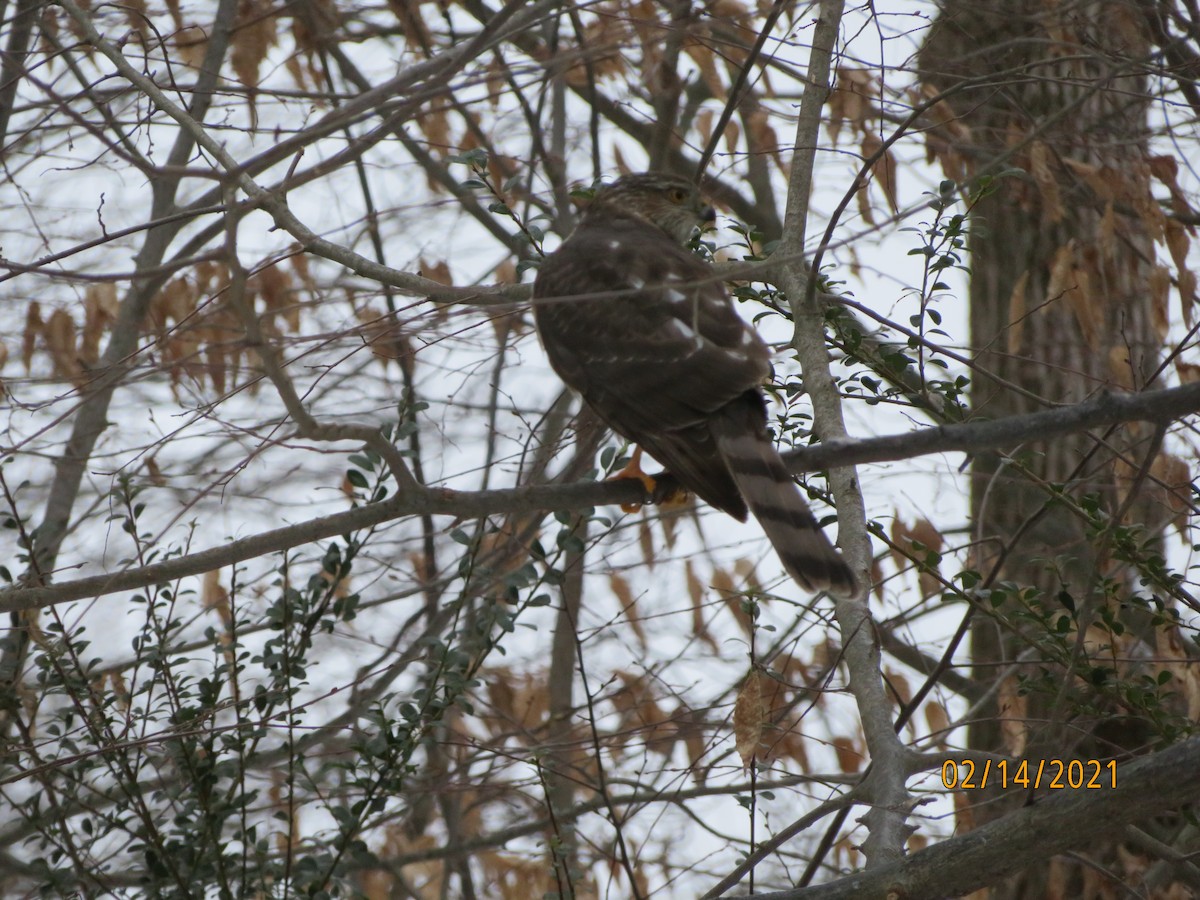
[1052, 774]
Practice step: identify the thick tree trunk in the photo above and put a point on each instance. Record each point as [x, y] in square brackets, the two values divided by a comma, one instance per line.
[1062, 261]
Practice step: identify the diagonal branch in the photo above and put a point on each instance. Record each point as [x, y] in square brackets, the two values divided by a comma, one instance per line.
[1159, 407]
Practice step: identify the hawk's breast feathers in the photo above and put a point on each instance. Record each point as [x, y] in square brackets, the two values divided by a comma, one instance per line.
[646, 315]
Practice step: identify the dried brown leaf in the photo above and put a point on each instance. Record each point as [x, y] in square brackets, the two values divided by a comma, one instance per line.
[1133, 183]
[760, 136]
[1087, 303]
[964, 817]
[294, 64]
[99, 311]
[732, 10]
[903, 549]
[1106, 233]
[1187, 294]
[670, 523]
[877, 577]
[1095, 177]
[947, 133]
[791, 744]
[252, 37]
[1175, 476]
[434, 124]
[154, 473]
[941, 112]
[1040, 167]
[850, 758]
[902, 690]
[120, 689]
[1120, 370]
[601, 38]
[639, 709]
[214, 596]
[518, 700]
[33, 330]
[412, 24]
[749, 718]
[1166, 170]
[646, 542]
[273, 287]
[938, 721]
[1016, 314]
[506, 273]
[695, 589]
[191, 44]
[339, 583]
[1178, 244]
[925, 533]
[136, 16]
[851, 101]
[747, 571]
[1158, 285]
[704, 125]
[1070, 283]
[883, 169]
[439, 272]
[863, 199]
[299, 262]
[174, 303]
[733, 134]
[706, 62]
[59, 335]
[697, 749]
[620, 586]
[1189, 373]
[885, 176]
[722, 582]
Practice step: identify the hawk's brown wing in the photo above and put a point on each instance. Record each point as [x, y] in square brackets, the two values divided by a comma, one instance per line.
[644, 331]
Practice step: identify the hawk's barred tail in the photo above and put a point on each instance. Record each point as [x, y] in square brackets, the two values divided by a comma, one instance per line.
[775, 500]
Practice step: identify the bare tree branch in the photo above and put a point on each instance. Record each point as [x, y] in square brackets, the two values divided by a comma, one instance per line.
[1160, 406]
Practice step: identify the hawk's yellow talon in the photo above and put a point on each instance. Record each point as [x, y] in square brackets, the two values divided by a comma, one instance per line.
[633, 469]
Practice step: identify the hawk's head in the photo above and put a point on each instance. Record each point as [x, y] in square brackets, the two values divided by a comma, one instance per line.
[666, 201]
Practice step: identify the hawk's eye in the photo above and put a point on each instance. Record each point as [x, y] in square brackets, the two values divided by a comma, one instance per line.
[677, 195]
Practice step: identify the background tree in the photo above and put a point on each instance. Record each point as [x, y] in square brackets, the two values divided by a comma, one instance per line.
[1068, 298]
[316, 585]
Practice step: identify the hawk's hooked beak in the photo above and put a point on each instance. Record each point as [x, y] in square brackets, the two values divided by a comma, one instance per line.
[708, 215]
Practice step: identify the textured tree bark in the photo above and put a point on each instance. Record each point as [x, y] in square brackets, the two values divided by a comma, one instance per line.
[1062, 260]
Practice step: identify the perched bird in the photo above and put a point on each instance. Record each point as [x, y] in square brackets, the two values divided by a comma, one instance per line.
[645, 331]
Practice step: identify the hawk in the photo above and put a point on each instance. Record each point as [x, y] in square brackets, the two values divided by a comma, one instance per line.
[645, 331]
